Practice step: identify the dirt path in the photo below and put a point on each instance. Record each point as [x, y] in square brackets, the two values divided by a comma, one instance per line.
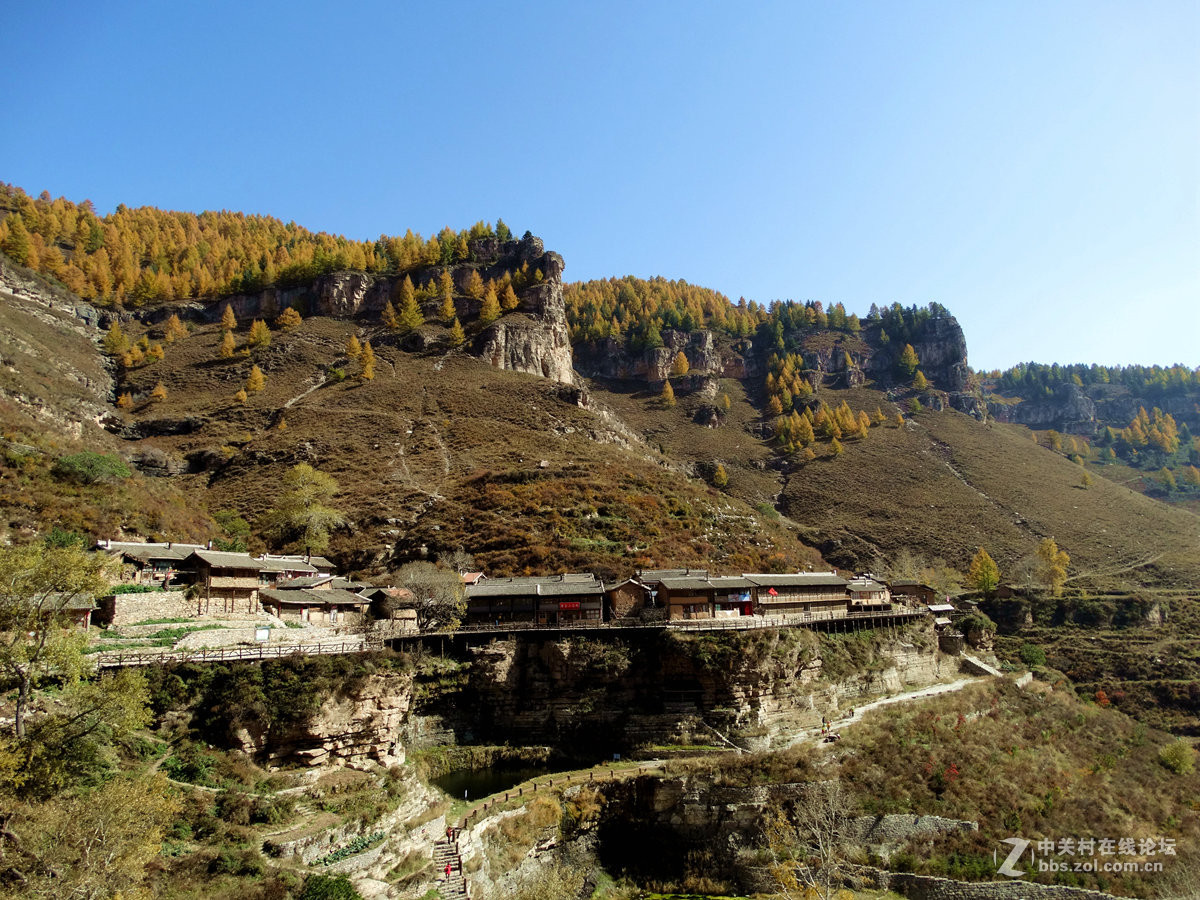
[919, 694]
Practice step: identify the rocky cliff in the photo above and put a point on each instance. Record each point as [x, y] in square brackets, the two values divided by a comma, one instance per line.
[533, 339]
[755, 690]
[50, 367]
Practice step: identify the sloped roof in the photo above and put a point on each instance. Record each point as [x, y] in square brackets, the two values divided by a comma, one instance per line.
[800, 579]
[546, 586]
[725, 582]
[659, 574]
[306, 581]
[685, 584]
[310, 597]
[864, 584]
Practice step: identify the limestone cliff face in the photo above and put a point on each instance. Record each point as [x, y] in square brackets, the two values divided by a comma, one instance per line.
[50, 366]
[608, 696]
[361, 723]
[1069, 410]
[536, 339]
[706, 356]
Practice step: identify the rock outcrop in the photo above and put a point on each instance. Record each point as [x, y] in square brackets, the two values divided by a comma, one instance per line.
[360, 723]
[1070, 410]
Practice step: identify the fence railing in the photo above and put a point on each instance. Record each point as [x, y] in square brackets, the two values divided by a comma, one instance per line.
[732, 623]
[119, 658]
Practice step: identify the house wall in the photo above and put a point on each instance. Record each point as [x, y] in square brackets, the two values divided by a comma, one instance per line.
[626, 601]
[688, 606]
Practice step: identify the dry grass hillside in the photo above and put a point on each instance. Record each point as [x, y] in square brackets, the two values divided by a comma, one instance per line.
[946, 484]
[440, 451]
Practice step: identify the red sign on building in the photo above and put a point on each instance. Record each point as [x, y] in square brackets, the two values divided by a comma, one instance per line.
[568, 604]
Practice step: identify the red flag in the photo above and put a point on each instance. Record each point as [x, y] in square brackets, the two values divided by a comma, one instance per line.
[773, 592]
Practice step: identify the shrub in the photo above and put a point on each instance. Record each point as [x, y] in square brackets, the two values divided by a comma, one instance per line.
[89, 467]
[1178, 756]
[327, 887]
[1032, 655]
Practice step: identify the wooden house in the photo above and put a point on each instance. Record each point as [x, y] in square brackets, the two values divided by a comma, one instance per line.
[230, 582]
[733, 596]
[913, 593]
[865, 593]
[820, 594]
[686, 597]
[150, 563]
[541, 600]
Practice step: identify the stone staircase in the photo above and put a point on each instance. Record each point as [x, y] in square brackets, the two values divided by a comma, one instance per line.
[445, 852]
[978, 667]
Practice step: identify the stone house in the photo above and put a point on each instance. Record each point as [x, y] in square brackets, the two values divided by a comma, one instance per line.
[321, 605]
[626, 599]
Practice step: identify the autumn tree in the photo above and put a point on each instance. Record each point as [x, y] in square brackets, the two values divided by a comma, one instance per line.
[1052, 566]
[446, 311]
[456, 337]
[241, 396]
[474, 288]
[17, 244]
[260, 334]
[288, 319]
[255, 381]
[389, 318]
[489, 310]
[720, 477]
[115, 343]
[159, 393]
[124, 401]
[228, 319]
[353, 347]
[303, 515]
[908, 362]
[38, 586]
[367, 362]
[806, 841]
[679, 367]
[983, 574]
[920, 382]
[411, 316]
[668, 394]
[228, 345]
[509, 300]
[175, 329]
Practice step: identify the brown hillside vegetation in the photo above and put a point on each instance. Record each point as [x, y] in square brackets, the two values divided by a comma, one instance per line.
[440, 451]
[53, 388]
[947, 483]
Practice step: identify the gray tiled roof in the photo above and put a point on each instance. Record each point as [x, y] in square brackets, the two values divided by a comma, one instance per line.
[728, 582]
[310, 597]
[549, 586]
[685, 584]
[802, 579]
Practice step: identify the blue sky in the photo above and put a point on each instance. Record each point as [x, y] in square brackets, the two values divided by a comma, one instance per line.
[1034, 167]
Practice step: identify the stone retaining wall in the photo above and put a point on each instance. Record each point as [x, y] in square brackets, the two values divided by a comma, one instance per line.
[930, 887]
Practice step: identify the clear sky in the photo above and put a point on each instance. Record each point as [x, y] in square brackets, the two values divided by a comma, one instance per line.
[1033, 166]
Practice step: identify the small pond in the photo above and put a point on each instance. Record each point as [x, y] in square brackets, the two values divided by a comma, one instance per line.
[479, 783]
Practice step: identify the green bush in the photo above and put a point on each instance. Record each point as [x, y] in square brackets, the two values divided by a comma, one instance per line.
[329, 887]
[1178, 756]
[135, 589]
[1032, 655]
[88, 467]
